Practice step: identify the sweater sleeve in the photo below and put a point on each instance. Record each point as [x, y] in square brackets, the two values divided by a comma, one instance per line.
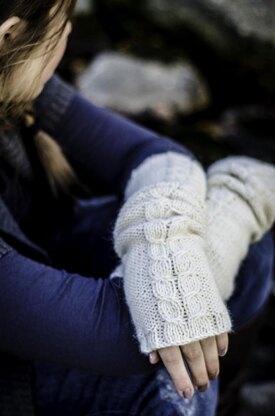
[103, 147]
[50, 315]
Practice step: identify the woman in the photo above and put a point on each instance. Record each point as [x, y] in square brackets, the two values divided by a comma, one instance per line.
[58, 327]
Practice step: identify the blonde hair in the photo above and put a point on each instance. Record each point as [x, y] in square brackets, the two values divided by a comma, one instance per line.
[17, 57]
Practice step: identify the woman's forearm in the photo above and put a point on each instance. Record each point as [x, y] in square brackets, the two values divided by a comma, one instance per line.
[67, 319]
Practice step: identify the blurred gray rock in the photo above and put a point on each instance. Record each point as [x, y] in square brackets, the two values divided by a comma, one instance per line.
[258, 398]
[133, 86]
[250, 18]
[241, 31]
[84, 6]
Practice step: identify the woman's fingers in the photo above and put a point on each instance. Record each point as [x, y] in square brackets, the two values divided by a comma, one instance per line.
[173, 361]
[210, 352]
[201, 357]
[193, 354]
[222, 343]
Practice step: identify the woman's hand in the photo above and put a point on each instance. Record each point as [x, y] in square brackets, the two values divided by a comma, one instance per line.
[202, 358]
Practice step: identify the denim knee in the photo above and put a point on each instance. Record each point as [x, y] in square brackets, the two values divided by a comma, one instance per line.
[253, 283]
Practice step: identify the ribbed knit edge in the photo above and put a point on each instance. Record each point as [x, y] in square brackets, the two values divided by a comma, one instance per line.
[194, 330]
[53, 103]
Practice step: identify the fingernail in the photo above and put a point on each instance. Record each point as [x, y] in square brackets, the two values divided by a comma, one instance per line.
[214, 375]
[203, 388]
[223, 352]
[188, 393]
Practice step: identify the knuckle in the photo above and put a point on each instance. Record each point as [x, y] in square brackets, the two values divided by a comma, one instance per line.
[171, 359]
[208, 341]
[192, 353]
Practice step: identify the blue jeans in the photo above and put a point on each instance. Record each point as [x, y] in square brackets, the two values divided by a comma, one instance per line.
[75, 392]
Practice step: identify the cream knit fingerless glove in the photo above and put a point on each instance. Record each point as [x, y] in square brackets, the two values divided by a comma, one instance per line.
[159, 236]
[241, 208]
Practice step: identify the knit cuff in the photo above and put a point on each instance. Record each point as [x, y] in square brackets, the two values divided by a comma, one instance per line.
[52, 104]
[168, 334]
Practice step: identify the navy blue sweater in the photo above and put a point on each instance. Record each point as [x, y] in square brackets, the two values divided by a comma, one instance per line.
[50, 314]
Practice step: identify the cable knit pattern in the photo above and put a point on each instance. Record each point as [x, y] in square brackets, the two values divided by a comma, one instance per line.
[241, 208]
[159, 236]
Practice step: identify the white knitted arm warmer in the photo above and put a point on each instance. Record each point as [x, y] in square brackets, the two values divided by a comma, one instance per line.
[241, 208]
[159, 236]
